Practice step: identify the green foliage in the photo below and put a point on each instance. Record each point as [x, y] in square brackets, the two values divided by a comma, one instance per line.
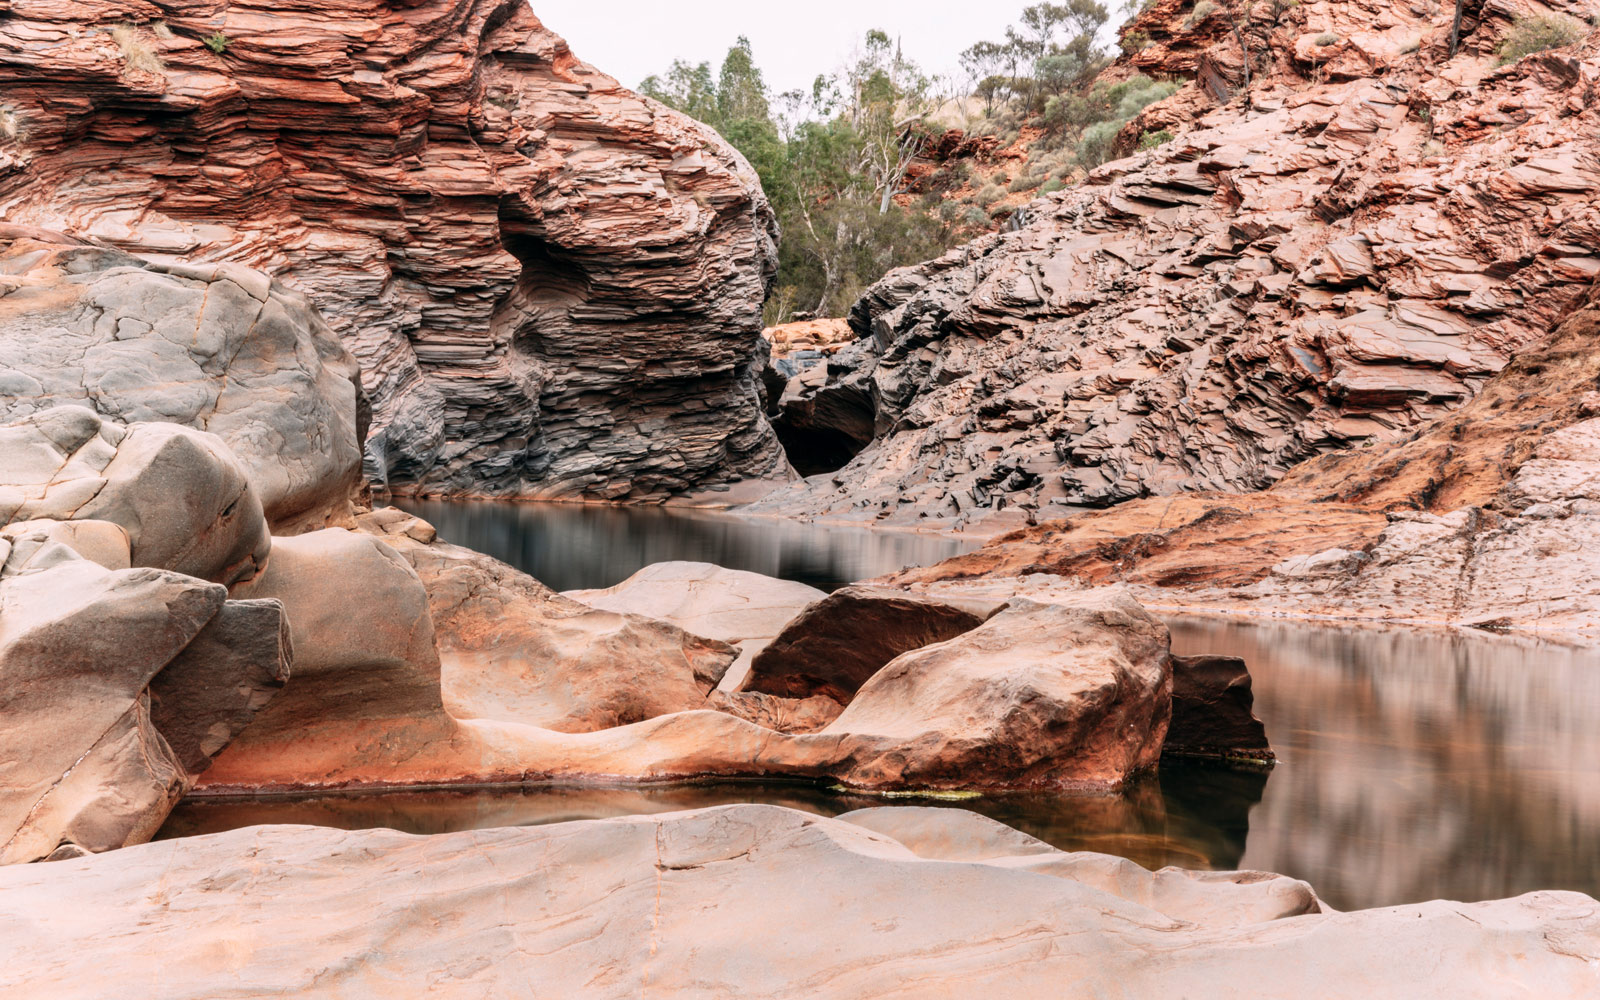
[1023, 182]
[1095, 146]
[1134, 42]
[832, 161]
[1053, 184]
[990, 194]
[1538, 33]
[1150, 140]
[217, 42]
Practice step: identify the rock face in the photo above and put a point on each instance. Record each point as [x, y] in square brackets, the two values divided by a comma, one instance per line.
[833, 646]
[535, 267]
[1333, 263]
[1487, 517]
[683, 903]
[182, 498]
[216, 347]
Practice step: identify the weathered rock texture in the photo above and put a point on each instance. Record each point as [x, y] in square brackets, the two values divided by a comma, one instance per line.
[115, 688]
[1331, 263]
[215, 347]
[520, 685]
[182, 499]
[553, 286]
[683, 905]
[514, 650]
[1040, 695]
[833, 646]
[743, 608]
[1489, 516]
[1212, 712]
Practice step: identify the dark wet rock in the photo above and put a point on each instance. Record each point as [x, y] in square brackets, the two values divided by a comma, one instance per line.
[835, 645]
[1212, 712]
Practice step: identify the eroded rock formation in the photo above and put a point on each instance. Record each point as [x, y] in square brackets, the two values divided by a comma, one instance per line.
[684, 904]
[1487, 517]
[123, 666]
[553, 286]
[1328, 262]
[214, 347]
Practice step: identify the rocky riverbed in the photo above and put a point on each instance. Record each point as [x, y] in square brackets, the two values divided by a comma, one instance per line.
[421, 245]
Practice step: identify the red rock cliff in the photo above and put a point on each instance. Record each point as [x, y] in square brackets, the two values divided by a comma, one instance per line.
[1330, 258]
[553, 285]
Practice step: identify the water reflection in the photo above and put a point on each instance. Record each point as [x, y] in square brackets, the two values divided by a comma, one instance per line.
[582, 546]
[1421, 764]
[1414, 765]
[1196, 819]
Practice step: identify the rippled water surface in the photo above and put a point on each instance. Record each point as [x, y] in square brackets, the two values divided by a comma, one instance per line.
[1415, 764]
[584, 546]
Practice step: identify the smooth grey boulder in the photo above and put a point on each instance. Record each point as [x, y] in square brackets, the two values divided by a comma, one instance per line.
[185, 501]
[215, 347]
[79, 645]
[116, 687]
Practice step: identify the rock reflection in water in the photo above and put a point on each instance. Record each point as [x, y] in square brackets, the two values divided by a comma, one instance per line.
[1421, 764]
[584, 546]
[1194, 819]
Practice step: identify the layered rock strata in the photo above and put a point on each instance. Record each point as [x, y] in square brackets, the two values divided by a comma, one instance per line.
[682, 904]
[1328, 262]
[553, 286]
[1488, 517]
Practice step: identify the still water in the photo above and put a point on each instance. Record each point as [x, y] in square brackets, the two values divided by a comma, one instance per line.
[586, 546]
[1414, 764]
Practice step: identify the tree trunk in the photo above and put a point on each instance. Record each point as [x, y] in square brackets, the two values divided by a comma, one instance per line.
[1455, 28]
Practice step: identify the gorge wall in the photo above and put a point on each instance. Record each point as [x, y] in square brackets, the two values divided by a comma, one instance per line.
[1326, 259]
[553, 286]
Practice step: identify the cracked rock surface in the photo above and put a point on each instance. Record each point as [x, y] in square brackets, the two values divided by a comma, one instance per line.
[215, 347]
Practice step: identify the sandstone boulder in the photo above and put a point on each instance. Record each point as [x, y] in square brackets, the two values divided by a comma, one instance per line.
[683, 904]
[1212, 713]
[735, 606]
[101, 542]
[222, 680]
[1075, 694]
[115, 686]
[513, 650]
[215, 347]
[836, 644]
[182, 497]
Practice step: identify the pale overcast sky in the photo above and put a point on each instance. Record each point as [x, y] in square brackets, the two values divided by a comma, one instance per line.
[793, 41]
